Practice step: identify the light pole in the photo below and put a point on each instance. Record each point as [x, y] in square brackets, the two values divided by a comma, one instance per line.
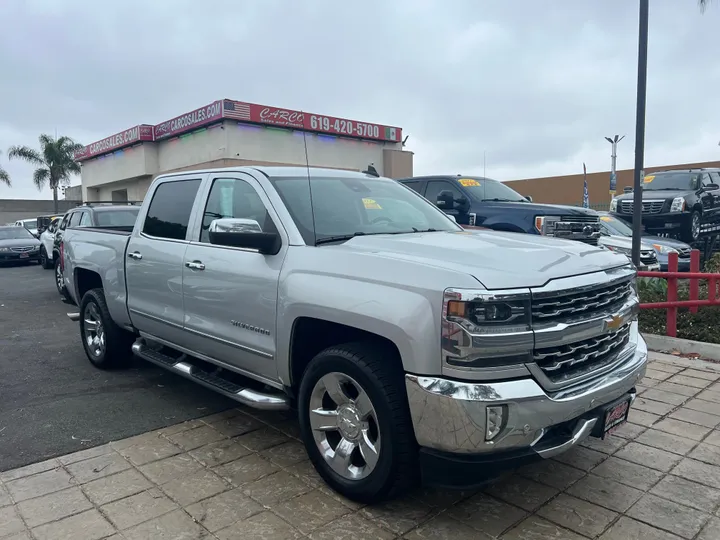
[640, 131]
[613, 164]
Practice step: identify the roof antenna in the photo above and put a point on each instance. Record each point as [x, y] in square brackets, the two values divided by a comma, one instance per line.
[372, 171]
[307, 169]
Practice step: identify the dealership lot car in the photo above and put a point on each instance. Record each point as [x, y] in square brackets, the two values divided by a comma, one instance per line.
[17, 244]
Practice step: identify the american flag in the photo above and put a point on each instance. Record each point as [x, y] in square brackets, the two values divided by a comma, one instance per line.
[586, 195]
[236, 110]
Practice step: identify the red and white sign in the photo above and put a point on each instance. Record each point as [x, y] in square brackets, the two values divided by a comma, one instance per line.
[276, 116]
[189, 121]
[130, 136]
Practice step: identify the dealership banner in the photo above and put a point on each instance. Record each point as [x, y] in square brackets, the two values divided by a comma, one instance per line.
[189, 121]
[128, 137]
[288, 118]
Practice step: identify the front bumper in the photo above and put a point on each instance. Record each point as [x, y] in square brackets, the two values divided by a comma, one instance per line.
[6, 257]
[449, 417]
[667, 222]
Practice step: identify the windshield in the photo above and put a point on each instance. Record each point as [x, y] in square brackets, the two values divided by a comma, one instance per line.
[117, 218]
[30, 223]
[485, 189]
[614, 227]
[672, 180]
[348, 206]
[14, 233]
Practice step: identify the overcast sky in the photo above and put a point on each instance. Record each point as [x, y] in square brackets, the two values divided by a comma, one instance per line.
[536, 85]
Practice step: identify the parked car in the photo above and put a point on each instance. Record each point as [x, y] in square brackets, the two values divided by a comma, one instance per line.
[120, 217]
[476, 201]
[615, 227]
[17, 244]
[683, 202]
[406, 343]
[29, 224]
[43, 222]
[622, 244]
[47, 240]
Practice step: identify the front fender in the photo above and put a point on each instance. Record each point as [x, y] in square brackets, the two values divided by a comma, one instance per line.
[409, 318]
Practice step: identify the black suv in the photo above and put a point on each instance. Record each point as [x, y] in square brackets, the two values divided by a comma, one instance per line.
[683, 202]
[481, 202]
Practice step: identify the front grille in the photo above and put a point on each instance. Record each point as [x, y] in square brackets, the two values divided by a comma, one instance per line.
[581, 228]
[648, 207]
[568, 362]
[582, 304]
[648, 257]
[684, 253]
[23, 249]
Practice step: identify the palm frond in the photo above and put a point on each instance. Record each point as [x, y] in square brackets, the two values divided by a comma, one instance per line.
[4, 177]
[25, 153]
[703, 5]
[41, 177]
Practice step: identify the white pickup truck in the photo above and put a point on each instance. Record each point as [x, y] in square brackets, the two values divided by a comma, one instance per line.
[407, 344]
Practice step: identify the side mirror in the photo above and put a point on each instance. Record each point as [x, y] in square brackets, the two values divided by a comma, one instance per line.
[711, 187]
[529, 198]
[445, 200]
[243, 233]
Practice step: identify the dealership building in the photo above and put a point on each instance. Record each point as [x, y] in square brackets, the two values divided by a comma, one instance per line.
[233, 133]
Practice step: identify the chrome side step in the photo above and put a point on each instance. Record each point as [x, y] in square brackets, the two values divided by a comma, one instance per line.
[246, 396]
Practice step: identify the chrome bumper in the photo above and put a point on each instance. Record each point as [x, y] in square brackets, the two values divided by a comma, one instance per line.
[450, 416]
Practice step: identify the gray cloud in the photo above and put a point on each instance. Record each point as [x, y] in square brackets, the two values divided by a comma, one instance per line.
[534, 85]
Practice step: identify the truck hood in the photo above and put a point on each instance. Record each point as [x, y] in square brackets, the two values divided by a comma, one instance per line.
[498, 260]
[542, 209]
[662, 241]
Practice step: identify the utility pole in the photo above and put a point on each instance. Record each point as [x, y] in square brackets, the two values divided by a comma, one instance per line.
[640, 131]
[613, 164]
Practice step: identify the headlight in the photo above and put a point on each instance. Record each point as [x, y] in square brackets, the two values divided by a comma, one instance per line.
[678, 204]
[624, 251]
[613, 205]
[664, 250]
[490, 314]
[546, 224]
[3, 249]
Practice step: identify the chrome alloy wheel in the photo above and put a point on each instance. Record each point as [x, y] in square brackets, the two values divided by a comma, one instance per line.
[59, 281]
[345, 426]
[94, 331]
[695, 225]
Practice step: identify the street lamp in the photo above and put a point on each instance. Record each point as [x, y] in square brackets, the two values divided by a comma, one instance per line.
[640, 131]
[613, 164]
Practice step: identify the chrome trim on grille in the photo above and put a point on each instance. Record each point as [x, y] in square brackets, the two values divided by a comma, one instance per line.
[649, 206]
[23, 249]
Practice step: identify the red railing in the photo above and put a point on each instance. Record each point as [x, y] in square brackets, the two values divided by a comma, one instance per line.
[672, 303]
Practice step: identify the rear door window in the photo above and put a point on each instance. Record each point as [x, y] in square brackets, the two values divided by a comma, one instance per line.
[74, 219]
[168, 216]
[84, 219]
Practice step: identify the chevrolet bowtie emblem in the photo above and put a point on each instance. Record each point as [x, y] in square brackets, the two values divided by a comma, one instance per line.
[614, 322]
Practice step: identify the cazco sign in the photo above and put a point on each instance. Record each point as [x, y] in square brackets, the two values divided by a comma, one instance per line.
[130, 136]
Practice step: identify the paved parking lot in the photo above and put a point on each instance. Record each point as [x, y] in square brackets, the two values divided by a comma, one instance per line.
[52, 401]
[240, 473]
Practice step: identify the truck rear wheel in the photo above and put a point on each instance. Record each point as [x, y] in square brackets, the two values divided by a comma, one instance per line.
[355, 422]
[106, 345]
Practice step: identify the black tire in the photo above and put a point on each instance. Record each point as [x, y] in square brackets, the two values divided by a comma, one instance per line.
[45, 261]
[61, 289]
[690, 233]
[116, 351]
[378, 371]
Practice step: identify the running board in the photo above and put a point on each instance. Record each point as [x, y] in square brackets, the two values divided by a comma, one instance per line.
[246, 396]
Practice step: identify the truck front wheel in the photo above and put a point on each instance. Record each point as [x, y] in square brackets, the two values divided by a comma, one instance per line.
[106, 344]
[355, 422]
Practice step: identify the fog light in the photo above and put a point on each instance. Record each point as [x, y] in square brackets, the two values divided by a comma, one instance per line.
[495, 420]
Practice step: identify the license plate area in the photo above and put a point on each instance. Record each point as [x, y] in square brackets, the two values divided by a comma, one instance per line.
[613, 416]
[24, 255]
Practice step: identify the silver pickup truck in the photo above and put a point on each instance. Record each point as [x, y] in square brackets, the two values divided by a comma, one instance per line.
[411, 349]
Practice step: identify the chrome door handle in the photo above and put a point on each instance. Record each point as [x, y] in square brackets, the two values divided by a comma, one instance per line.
[135, 255]
[195, 265]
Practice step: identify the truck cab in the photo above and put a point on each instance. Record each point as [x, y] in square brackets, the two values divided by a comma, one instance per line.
[482, 202]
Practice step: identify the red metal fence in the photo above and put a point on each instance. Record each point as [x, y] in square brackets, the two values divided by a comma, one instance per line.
[672, 303]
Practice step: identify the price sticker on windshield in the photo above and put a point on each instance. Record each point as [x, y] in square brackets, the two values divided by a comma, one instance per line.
[468, 182]
[371, 204]
[649, 179]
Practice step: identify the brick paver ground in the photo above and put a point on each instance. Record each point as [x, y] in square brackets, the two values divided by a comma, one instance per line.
[243, 474]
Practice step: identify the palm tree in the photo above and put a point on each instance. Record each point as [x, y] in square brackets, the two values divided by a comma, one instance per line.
[4, 177]
[55, 162]
[703, 5]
